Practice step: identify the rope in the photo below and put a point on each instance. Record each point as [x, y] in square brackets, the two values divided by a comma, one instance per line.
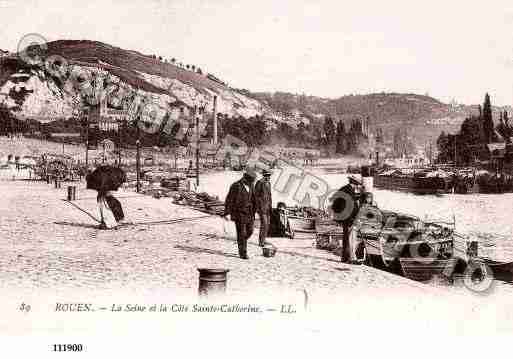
[80, 209]
[170, 221]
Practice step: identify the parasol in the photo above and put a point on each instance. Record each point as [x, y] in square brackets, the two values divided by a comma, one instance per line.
[106, 178]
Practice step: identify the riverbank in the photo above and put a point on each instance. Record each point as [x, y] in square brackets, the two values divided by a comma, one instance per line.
[50, 243]
[52, 251]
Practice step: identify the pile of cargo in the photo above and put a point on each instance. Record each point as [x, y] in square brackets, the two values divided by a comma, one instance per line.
[176, 183]
[200, 201]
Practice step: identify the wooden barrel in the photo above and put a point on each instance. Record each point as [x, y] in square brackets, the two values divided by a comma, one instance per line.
[212, 281]
[72, 193]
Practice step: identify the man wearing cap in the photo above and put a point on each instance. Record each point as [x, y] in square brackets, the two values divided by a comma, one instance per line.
[345, 208]
[240, 205]
[263, 201]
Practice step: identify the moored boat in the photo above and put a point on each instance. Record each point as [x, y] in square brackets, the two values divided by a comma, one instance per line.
[419, 181]
[302, 227]
[406, 244]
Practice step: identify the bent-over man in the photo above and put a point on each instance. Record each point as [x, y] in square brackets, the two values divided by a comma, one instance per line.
[345, 208]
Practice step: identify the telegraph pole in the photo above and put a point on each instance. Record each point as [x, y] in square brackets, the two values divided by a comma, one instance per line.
[455, 139]
[119, 143]
[196, 115]
[87, 141]
[138, 158]
[103, 155]
[215, 120]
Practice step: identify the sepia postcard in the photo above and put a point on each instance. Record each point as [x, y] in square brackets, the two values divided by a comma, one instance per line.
[256, 178]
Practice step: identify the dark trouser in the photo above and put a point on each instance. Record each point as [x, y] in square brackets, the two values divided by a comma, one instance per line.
[115, 207]
[265, 223]
[346, 253]
[244, 231]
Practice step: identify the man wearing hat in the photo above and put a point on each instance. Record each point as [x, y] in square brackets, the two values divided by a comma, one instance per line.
[240, 205]
[345, 208]
[263, 200]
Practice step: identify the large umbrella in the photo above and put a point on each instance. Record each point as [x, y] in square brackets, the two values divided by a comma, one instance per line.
[106, 178]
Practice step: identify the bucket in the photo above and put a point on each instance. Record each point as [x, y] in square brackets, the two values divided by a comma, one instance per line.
[268, 251]
[212, 281]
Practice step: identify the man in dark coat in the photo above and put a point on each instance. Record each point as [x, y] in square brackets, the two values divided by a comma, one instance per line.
[240, 205]
[345, 208]
[263, 201]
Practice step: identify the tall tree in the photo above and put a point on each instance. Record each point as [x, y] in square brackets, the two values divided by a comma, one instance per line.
[469, 138]
[488, 120]
[341, 137]
[329, 130]
[509, 131]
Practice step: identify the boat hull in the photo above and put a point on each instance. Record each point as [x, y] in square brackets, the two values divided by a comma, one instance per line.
[423, 269]
[501, 271]
[418, 185]
[301, 223]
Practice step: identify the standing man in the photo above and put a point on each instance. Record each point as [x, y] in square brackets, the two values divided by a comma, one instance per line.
[263, 200]
[240, 205]
[345, 208]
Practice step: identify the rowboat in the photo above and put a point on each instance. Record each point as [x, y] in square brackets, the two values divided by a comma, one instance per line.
[301, 223]
[502, 271]
[302, 227]
[404, 243]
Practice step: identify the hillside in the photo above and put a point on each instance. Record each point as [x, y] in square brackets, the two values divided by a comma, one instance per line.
[424, 117]
[31, 92]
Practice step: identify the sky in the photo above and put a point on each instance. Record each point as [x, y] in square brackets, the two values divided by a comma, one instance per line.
[447, 49]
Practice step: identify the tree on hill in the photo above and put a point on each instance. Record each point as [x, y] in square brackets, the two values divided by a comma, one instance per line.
[173, 60]
[199, 71]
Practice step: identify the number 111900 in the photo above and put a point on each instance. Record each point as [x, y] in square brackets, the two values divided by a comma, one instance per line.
[67, 347]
